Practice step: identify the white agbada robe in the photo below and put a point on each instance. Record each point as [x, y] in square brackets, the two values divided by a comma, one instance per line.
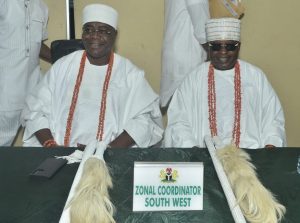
[262, 118]
[131, 104]
[184, 32]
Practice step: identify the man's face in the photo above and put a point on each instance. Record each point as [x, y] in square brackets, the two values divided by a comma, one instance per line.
[98, 39]
[223, 54]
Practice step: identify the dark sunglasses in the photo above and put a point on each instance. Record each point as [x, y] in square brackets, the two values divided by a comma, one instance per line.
[227, 46]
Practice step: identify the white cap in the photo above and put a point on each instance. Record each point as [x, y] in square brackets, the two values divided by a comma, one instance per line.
[100, 13]
[223, 29]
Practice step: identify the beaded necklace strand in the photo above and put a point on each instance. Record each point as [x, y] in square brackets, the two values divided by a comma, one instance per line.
[100, 131]
[236, 133]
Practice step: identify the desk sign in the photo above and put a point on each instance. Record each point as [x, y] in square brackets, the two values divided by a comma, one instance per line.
[168, 186]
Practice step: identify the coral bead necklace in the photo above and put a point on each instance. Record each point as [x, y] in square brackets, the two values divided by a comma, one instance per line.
[100, 131]
[236, 133]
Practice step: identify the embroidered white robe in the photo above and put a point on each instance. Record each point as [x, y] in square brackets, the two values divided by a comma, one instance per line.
[262, 118]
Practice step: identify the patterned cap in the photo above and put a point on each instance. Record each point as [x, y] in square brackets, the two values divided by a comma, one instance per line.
[223, 29]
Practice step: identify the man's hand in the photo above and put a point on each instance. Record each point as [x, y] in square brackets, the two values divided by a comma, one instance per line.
[45, 53]
[46, 138]
[124, 140]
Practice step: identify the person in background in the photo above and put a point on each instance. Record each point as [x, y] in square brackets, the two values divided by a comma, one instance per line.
[93, 94]
[184, 38]
[226, 97]
[22, 32]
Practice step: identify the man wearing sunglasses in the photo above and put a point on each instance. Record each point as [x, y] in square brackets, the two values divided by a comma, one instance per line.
[226, 97]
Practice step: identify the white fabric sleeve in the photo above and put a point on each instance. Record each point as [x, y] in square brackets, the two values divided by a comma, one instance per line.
[3, 7]
[146, 128]
[45, 21]
[199, 13]
[2, 2]
[179, 131]
[143, 120]
[35, 115]
[273, 121]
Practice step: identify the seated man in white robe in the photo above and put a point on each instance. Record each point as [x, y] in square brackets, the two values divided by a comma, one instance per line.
[93, 94]
[226, 97]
